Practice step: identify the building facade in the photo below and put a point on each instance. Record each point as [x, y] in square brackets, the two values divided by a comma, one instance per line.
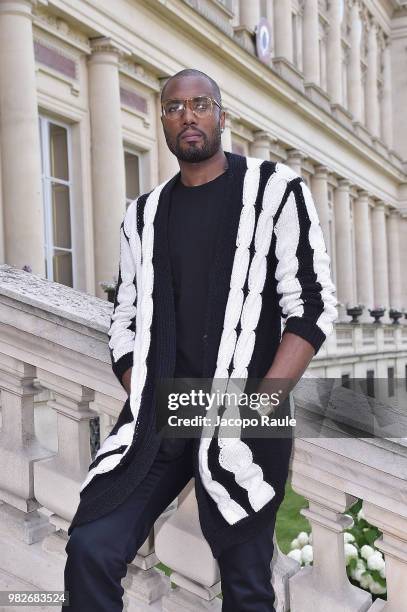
[81, 137]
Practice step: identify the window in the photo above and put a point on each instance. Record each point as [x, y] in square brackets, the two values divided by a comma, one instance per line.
[390, 382]
[345, 63]
[266, 10]
[370, 383]
[322, 57]
[57, 195]
[364, 94]
[345, 381]
[132, 169]
[227, 3]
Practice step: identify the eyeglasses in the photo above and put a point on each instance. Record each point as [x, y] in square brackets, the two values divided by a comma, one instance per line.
[201, 106]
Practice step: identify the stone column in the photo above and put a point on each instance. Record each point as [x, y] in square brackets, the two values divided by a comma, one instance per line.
[295, 159]
[344, 271]
[250, 13]
[19, 139]
[320, 194]
[325, 585]
[334, 73]
[393, 544]
[179, 543]
[380, 269]
[372, 98]
[108, 176]
[387, 109]
[310, 49]
[20, 451]
[355, 70]
[167, 162]
[283, 30]
[260, 147]
[2, 228]
[69, 466]
[363, 245]
[403, 258]
[393, 238]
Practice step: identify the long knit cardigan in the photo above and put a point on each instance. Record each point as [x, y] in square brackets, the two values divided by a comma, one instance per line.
[271, 274]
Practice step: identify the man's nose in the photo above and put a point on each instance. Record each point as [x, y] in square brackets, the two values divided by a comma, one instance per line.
[188, 116]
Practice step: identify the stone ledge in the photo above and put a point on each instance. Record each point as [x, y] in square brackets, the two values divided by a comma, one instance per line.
[35, 290]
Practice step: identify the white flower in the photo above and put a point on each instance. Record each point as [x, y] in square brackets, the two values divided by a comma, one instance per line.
[376, 588]
[303, 538]
[375, 561]
[295, 544]
[383, 571]
[348, 537]
[351, 552]
[307, 554]
[295, 554]
[366, 551]
[359, 570]
[365, 581]
[361, 514]
[310, 538]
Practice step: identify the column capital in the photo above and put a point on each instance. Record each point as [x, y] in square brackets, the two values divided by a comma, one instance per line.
[362, 194]
[379, 206]
[262, 136]
[107, 46]
[343, 184]
[321, 171]
[394, 213]
[355, 7]
[20, 7]
[296, 154]
[381, 39]
[370, 24]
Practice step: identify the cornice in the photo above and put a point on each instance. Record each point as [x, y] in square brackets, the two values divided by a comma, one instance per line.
[60, 29]
[178, 15]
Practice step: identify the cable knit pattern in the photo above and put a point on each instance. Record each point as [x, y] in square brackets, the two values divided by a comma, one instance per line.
[145, 309]
[235, 456]
[140, 345]
[266, 203]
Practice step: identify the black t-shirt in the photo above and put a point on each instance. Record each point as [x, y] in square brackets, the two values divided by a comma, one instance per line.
[193, 223]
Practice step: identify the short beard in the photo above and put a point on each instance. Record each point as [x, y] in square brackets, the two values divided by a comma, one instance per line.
[193, 153]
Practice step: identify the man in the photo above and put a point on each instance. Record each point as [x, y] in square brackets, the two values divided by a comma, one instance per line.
[211, 261]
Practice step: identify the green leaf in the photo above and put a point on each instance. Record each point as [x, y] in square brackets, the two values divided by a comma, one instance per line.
[352, 563]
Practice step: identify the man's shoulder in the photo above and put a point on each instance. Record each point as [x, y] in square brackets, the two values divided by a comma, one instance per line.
[135, 205]
[272, 171]
[278, 167]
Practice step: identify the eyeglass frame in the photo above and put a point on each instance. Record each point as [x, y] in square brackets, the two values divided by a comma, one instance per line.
[186, 100]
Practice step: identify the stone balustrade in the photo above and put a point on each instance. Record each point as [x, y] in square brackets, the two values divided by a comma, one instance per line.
[55, 374]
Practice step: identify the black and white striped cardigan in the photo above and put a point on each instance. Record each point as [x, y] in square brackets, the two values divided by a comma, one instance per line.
[271, 274]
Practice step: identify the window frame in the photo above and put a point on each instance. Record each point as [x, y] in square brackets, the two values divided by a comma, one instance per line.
[128, 148]
[47, 180]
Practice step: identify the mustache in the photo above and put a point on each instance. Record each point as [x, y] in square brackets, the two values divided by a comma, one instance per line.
[187, 130]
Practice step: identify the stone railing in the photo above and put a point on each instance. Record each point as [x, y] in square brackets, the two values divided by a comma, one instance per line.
[56, 380]
[364, 339]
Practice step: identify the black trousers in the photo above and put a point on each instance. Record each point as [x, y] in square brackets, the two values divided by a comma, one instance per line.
[98, 552]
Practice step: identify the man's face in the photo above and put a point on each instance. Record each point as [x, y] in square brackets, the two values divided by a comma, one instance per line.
[191, 138]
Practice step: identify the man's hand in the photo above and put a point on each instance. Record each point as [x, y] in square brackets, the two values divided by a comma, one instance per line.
[126, 380]
[290, 362]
